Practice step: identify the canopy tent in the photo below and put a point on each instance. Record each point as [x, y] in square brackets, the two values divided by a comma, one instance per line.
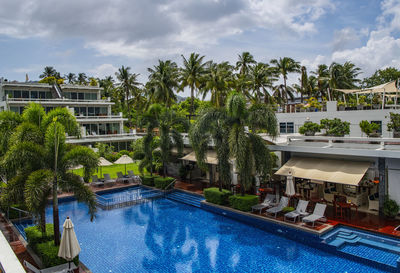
[211, 157]
[328, 170]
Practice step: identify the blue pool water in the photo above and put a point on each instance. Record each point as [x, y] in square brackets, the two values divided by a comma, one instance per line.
[167, 236]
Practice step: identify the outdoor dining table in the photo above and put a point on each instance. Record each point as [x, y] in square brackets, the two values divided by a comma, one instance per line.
[345, 209]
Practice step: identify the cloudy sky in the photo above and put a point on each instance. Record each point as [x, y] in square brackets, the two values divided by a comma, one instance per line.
[98, 36]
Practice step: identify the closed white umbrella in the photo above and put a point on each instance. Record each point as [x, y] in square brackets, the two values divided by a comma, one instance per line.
[69, 246]
[124, 160]
[290, 191]
[102, 163]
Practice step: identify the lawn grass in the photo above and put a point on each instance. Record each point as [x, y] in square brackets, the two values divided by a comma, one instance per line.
[112, 170]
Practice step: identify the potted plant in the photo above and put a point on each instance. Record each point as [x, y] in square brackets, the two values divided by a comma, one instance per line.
[335, 127]
[394, 124]
[375, 102]
[361, 102]
[309, 128]
[341, 105]
[369, 128]
[390, 208]
[313, 104]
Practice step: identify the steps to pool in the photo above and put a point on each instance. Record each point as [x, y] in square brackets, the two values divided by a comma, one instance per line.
[381, 250]
[186, 198]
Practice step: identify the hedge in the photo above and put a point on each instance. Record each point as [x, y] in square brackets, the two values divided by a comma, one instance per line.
[48, 252]
[34, 235]
[213, 195]
[243, 203]
[148, 180]
[163, 182]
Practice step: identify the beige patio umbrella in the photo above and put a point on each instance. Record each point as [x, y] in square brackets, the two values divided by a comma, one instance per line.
[75, 168]
[69, 246]
[124, 160]
[102, 163]
[290, 191]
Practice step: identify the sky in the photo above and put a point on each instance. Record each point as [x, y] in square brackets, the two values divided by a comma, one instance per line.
[99, 36]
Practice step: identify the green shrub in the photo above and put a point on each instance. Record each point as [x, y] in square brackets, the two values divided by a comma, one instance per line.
[124, 152]
[335, 127]
[213, 195]
[394, 124]
[34, 235]
[309, 128]
[288, 209]
[390, 208]
[148, 180]
[368, 128]
[48, 252]
[161, 182]
[243, 203]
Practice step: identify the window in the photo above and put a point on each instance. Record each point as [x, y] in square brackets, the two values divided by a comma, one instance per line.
[83, 111]
[286, 127]
[90, 111]
[34, 94]
[379, 122]
[42, 94]
[25, 94]
[67, 95]
[17, 94]
[74, 95]
[81, 96]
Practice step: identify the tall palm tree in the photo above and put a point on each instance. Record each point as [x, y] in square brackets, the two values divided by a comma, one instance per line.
[191, 75]
[285, 66]
[322, 76]
[38, 160]
[70, 77]
[82, 79]
[303, 82]
[262, 77]
[108, 85]
[128, 84]
[163, 81]
[49, 71]
[244, 62]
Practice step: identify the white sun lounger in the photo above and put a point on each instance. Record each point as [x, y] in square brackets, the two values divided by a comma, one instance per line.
[55, 269]
[275, 210]
[268, 201]
[318, 214]
[96, 182]
[300, 211]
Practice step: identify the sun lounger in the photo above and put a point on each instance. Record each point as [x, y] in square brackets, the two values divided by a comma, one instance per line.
[96, 182]
[318, 214]
[299, 212]
[282, 204]
[108, 180]
[55, 269]
[122, 178]
[135, 178]
[268, 201]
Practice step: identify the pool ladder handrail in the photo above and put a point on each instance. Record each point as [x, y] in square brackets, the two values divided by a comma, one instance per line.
[166, 188]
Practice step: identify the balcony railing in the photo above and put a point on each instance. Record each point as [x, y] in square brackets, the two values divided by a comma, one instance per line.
[99, 117]
[55, 100]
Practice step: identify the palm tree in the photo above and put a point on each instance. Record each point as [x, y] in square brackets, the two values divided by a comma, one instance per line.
[82, 79]
[322, 76]
[108, 86]
[285, 66]
[244, 62]
[49, 71]
[262, 77]
[8, 122]
[163, 80]
[191, 75]
[70, 77]
[38, 160]
[128, 84]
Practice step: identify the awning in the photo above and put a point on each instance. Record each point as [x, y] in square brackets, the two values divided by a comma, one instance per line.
[328, 170]
[389, 87]
[211, 157]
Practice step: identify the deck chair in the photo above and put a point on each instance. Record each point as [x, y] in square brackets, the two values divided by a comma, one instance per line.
[282, 204]
[96, 182]
[268, 201]
[108, 180]
[123, 179]
[318, 214]
[58, 268]
[299, 212]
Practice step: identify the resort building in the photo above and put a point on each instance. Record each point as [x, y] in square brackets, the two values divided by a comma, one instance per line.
[93, 113]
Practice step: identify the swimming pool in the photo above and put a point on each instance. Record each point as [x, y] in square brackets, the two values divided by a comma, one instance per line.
[168, 236]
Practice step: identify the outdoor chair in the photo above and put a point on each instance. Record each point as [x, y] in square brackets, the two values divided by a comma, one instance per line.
[282, 204]
[58, 268]
[96, 182]
[122, 178]
[108, 180]
[318, 214]
[268, 201]
[135, 178]
[299, 212]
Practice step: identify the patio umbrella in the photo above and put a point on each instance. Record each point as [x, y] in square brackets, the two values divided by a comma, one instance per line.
[75, 168]
[124, 160]
[102, 163]
[69, 246]
[290, 185]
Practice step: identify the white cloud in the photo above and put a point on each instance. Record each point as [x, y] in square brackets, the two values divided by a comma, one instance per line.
[103, 70]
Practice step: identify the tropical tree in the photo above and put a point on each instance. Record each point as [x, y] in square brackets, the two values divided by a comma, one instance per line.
[8, 122]
[70, 77]
[82, 79]
[191, 74]
[49, 71]
[244, 63]
[262, 77]
[37, 163]
[285, 66]
[108, 85]
[163, 81]
[322, 77]
[382, 76]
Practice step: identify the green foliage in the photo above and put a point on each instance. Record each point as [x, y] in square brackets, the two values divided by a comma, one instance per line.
[34, 113]
[48, 254]
[243, 202]
[8, 122]
[215, 196]
[148, 180]
[390, 208]
[313, 102]
[368, 127]
[382, 76]
[124, 152]
[52, 80]
[163, 182]
[183, 171]
[394, 124]
[288, 209]
[309, 128]
[335, 127]
[104, 149]
[34, 236]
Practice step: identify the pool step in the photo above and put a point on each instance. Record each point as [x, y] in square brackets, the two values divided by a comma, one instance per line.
[185, 198]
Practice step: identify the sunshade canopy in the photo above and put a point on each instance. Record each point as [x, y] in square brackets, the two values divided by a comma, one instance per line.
[69, 246]
[328, 170]
[211, 157]
[124, 160]
[104, 162]
[389, 87]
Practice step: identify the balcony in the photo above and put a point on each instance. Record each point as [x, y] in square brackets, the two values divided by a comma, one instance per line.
[62, 102]
[104, 138]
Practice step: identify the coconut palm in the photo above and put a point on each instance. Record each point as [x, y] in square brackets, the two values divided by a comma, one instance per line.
[38, 160]
[262, 77]
[285, 66]
[163, 81]
[191, 75]
[322, 76]
[82, 79]
[70, 77]
[8, 122]
[49, 71]
[108, 85]
[244, 62]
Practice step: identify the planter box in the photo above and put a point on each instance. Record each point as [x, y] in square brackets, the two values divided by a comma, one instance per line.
[342, 108]
[396, 134]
